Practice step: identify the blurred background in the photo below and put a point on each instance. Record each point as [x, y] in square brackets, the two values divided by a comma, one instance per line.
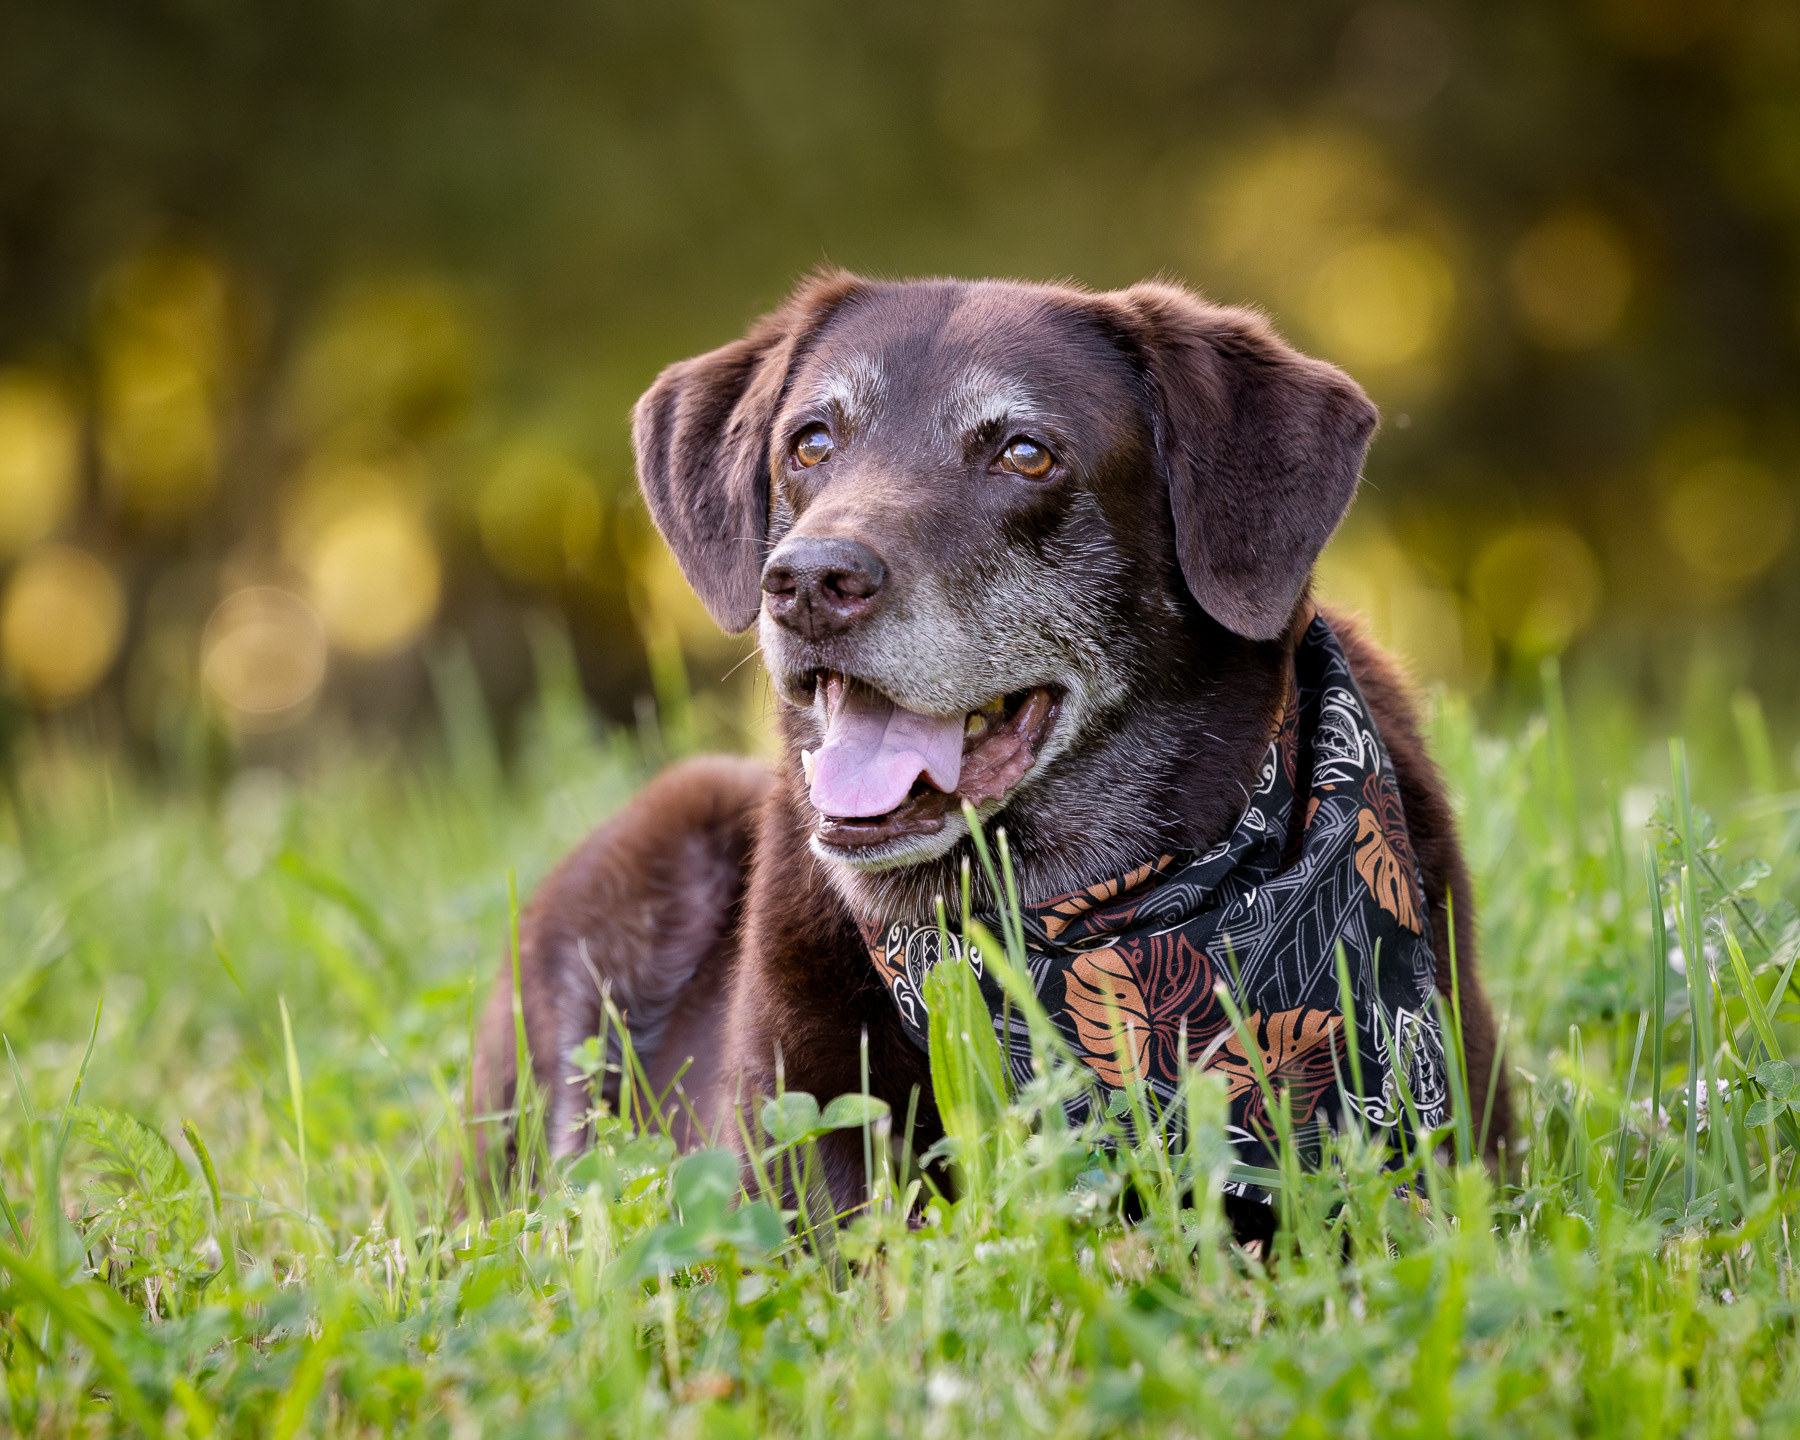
[320, 321]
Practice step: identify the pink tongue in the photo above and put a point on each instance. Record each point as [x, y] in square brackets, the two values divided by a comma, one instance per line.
[874, 750]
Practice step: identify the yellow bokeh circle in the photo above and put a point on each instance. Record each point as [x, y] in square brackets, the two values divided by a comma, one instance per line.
[162, 351]
[374, 576]
[1538, 587]
[40, 456]
[1571, 280]
[539, 515]
[1728, 519]
[60, 624]
[1382, 301]
[391, 359]
[263, 656]
[1366, 571]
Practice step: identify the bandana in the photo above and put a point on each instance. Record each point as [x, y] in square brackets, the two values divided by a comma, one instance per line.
[1320, 857]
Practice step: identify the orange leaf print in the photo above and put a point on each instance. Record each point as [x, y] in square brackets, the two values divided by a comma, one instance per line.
[1101, 985]
[1065, 910]
[1388, 879]
[1295, 1047]
[1293, 1035]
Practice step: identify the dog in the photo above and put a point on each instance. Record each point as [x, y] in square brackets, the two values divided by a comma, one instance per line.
[1039, 549]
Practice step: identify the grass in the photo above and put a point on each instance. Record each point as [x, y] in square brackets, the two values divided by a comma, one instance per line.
[238, 1028]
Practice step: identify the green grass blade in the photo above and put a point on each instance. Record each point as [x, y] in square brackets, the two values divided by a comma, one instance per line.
[19, 1082]
[1659, 979]
[12, 1222]
[1347, 1008]
[402, 1209]
[224, 956]
[204, 1156]
[297, 1095]
[1637, 1051]
[1458, 1060]
[329, 887]
[228, 1257]
[1502, 1037]
[303, 1389]
[966, 1065]
[1461, 1124]
[1753, 740]
[1048, 1042]
[81, 1070]
[1759, 1018]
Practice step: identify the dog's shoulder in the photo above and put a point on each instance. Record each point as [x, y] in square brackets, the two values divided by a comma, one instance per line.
[711, 801]
[635, 908]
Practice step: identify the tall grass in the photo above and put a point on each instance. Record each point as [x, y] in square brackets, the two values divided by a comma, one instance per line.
[238, 1197]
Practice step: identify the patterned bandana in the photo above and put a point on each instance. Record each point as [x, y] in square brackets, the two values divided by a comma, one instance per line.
[1263, 911]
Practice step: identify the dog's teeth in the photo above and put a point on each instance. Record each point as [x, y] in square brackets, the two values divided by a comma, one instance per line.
[994, 706]
[806, 764]
[974, 725]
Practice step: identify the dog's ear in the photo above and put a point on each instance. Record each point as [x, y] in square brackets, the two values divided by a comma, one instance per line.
[1262, 448]
[702, 435]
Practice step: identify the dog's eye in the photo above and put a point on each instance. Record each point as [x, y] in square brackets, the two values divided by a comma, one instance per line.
[1028, 458]
[813, 446]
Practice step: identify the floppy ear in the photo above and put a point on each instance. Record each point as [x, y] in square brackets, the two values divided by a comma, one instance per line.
[702, 435]
[1262, 448]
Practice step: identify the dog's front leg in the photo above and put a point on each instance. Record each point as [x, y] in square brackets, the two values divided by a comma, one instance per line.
[801, 1004]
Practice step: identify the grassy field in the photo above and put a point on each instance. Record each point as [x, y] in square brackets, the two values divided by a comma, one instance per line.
[238, 1026]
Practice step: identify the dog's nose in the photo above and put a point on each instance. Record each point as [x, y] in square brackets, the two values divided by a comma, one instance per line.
[819, 585]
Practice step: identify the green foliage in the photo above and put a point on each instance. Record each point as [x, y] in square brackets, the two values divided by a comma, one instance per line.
[170, 1264]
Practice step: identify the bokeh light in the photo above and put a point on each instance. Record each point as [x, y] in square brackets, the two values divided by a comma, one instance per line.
[374, 575]
[1538, 586]
[1728, 519]
[1318, 223]
[40, 457]
[163, 343]
[1408, 608]
[60, 624]
[1382, 301]
[1571, 280]
[1283, 207]
[387, 360]
[449, 301]
[358, 532]
[662, 599]
[1368, 574]
[539, 515]
[263, 657]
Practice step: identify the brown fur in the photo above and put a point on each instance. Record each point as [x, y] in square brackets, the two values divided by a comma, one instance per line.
[1164, 571]
[650, 902]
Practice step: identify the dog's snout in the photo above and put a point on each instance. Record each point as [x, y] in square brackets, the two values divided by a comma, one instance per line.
[819, 585]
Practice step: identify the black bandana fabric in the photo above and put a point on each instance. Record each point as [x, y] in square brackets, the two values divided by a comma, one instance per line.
[1263, 912]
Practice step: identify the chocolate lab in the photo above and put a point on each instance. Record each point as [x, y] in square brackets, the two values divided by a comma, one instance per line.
[1037, 549]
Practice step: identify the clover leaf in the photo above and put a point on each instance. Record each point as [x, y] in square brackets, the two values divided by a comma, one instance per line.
[1777, 1077]
[791, 1118]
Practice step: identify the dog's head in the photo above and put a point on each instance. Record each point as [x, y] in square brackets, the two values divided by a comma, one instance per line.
[1004, 542]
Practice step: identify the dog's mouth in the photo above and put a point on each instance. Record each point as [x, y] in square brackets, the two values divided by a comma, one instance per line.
[884, 771]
